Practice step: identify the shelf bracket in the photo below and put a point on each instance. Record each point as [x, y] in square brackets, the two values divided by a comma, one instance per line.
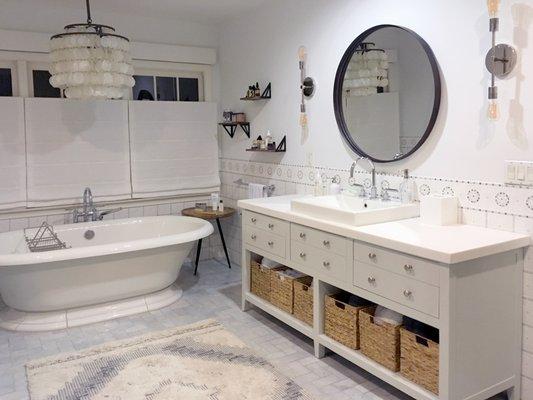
[230, 129]
[246, 128]
[282, 146]
[267, 93]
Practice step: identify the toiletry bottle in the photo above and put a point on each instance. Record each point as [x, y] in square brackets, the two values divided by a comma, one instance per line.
[257, 90]
[221, 206]
[268, 139]
[214, 201]
[407, 188]
[318, 184]
[335, 187]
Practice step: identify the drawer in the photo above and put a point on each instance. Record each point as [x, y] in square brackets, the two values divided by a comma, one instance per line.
[269, 242]
[399, 263]
[269, 224]
[407, 291]
[325, 263]
[319, 239]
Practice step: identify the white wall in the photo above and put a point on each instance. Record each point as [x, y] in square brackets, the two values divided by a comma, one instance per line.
[463, 145]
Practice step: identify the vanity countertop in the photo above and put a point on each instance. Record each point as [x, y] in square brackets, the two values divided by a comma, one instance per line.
[446, 244]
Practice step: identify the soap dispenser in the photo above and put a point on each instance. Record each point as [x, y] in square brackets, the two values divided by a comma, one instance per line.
[407, 188]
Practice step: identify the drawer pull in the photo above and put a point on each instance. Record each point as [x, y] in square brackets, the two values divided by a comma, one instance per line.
[408, 268]
[271, 226]
[326, 242]
[371, 280]
[254, 220]
[372, 256]
[302, 235]
[326, 264]
[302, 255]
[271, 243]
[407, 293]
[253, 236]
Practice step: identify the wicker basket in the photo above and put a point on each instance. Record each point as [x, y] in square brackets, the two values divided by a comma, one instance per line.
[303, 299]
[420, 360]
[341, 320]
[381, 343]
[260, 280]
[282, 291]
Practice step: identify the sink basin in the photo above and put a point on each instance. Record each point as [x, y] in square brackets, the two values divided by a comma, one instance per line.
[352, 210]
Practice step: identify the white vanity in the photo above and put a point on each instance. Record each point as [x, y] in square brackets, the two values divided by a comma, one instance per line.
[464, 280]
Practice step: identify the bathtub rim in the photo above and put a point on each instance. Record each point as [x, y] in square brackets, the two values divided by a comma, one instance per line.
[203, 230]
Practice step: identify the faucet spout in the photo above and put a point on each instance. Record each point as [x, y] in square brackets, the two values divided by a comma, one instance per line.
[373, 189]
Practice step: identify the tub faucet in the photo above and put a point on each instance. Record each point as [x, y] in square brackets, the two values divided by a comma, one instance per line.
[89, 211]
[373, 189]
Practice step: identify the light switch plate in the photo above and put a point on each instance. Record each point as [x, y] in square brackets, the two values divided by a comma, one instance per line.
[519, 172]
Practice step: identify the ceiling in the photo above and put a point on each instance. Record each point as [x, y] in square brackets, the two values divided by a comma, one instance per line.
[201, 11]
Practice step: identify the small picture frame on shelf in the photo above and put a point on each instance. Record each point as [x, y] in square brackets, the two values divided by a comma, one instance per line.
[239, 117]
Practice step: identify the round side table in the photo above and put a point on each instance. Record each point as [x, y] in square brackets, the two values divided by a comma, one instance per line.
[209, 215]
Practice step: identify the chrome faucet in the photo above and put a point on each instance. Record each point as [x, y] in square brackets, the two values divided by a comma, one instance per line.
[373, 189]
[90, 212]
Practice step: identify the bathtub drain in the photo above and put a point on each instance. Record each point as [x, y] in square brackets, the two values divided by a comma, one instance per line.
[89, 234]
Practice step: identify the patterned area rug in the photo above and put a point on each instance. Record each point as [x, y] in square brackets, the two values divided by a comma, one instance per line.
[200, 361]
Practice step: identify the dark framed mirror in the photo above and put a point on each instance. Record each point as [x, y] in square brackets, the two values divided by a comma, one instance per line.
[387, 93]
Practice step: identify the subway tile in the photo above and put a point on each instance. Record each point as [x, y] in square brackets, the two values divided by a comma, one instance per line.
[163, 209]
[501, 222]
[16, 224]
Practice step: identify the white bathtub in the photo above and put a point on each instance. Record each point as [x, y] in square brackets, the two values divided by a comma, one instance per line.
[126, 259]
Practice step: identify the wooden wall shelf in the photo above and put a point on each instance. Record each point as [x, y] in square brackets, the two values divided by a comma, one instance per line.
[281, 148]
[267, 94]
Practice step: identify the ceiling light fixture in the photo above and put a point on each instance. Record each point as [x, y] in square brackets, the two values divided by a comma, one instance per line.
[91, 61]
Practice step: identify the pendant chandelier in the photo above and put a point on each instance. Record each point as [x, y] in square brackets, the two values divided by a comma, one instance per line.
[90, 61]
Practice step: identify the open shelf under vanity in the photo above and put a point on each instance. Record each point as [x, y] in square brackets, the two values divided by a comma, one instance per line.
[335, 263]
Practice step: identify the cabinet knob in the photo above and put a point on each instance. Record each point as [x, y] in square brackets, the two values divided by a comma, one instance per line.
[302, 235]
[254, 220]
[407, 293]
[408, 268]
[302, 255]
[371, 280]
[271, 226]
[271, 243]
[253, 236]
[326, 264]
[372, 256]
[326, 242]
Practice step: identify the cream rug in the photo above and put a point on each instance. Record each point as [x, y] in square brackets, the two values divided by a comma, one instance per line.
[199, 361]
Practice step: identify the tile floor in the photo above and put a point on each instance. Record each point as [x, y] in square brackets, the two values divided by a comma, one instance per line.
[214, 293]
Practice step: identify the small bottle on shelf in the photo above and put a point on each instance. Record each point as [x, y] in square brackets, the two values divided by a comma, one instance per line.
[221, 206]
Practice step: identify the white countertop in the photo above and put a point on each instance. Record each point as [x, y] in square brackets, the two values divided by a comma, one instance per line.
[446, 244]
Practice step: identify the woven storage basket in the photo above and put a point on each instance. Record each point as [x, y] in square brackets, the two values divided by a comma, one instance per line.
[420, 360]
[381, 343]
[303, 299]
[282, 291]
[341, 320]
[260, 280]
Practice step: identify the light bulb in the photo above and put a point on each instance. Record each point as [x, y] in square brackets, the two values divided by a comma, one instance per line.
[303, 120]
[493, 7]
[493, 111]
[302, 53]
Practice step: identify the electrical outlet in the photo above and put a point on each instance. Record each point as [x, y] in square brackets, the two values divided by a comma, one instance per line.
[519, 172]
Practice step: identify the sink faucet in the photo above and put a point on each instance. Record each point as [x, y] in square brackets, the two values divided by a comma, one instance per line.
[89, 211]
[373, 189]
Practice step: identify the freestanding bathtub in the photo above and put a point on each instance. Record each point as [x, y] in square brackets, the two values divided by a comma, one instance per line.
[126, 266]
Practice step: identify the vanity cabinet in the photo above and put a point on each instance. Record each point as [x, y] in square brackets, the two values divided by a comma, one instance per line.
[476, 304]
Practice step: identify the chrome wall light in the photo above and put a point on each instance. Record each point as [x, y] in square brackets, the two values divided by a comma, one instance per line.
[500, 60]
[307, 85]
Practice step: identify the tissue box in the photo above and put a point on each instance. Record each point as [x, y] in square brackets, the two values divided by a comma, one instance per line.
[439, 210]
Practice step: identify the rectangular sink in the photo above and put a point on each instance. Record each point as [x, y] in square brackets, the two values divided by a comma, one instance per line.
[352, 210]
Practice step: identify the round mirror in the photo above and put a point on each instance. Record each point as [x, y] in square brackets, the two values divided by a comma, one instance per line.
[387, 93]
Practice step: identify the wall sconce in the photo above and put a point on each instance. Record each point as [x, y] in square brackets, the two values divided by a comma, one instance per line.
[500, 60]
[307, 85]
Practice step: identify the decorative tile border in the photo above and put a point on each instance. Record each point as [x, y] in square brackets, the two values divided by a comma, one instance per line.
[484, 196]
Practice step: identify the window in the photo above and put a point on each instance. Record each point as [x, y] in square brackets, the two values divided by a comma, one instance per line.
[188, 89]
[6, 83]
[41, 84]
[168, 85]
[8, 79]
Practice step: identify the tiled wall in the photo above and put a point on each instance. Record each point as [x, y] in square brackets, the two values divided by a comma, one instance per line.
[60, 216]
[485, 204]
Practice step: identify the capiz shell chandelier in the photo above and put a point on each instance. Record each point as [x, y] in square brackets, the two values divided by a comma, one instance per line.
[91, 61]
